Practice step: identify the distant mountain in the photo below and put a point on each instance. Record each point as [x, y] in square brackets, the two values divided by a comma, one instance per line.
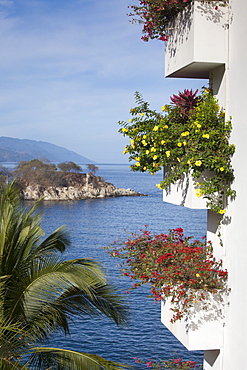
[16, 150]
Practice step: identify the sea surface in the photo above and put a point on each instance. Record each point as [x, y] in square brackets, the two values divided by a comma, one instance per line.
[94, 224]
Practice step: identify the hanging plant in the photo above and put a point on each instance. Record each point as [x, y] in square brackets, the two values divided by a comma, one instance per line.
[190, 136]
[155, 15]
[175, 267]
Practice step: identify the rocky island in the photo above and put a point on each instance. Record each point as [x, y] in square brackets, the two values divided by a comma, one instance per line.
[37, 179]
[81, 186]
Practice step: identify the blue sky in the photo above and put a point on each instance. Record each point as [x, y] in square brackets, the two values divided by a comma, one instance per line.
[69, 70]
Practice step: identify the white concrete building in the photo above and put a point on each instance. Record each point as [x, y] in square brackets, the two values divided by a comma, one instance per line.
[210, 43]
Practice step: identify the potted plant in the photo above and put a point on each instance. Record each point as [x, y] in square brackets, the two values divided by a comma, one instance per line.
[175, 267]
[190, 137]
[156, 15]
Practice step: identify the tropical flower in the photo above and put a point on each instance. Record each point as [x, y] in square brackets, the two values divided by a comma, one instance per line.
[186, 133]
[198, 163]
[198, 193]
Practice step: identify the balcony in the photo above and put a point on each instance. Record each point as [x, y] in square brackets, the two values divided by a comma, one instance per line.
[202, 330]
[183, 192]
[197, 41]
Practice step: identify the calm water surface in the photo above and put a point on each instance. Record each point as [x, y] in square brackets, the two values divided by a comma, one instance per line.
[94, 224]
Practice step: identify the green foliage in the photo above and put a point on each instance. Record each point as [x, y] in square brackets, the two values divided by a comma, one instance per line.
[40, 292]
[5, 174]
[184, 143]
[69, 167]
[34, 164]
[92, 168]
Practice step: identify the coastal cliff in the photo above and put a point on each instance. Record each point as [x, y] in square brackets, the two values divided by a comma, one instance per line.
[70, 186]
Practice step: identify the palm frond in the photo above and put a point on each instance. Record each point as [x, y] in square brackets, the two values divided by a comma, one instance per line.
[44, 358]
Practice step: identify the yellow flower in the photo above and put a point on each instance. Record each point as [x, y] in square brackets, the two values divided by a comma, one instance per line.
[222, 169]
[125, 151]
[186, 133]
[179, 160]
[144, 168]
[130, 120]
[166, 126]
[189, 162]
[124, 130]
[206, 136]
[153, 149]
[155, 164]
[164, 108]
[147, 152]
[198, 193]
[206, 90]
[158, 186]
[155, 157]
[197, 275]
[141, 114]
[144, 142]
[179, 144]
[137, 159]
[144, 136]
[198, 163]
[162, 142]
[151, 173]
[197, 130]
[222, 211]
[185, 143]
[168, 153]
[138, 164]
[132, 141]
[155, 128]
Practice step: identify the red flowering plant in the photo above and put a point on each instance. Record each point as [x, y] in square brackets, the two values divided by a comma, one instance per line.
[155, 15]
[174, 265]
[175, 363]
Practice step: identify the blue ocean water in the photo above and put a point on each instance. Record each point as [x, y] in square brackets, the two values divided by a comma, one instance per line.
[94, 224]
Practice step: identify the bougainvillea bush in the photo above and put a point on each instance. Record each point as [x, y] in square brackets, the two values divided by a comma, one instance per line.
[175, 266]
[155, 15]
[188, 137]
[175, 363]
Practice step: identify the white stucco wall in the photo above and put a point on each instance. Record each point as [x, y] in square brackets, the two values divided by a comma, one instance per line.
[234, 356]
[229, 82]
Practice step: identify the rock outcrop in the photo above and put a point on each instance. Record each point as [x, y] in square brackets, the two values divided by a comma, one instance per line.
[90, 187]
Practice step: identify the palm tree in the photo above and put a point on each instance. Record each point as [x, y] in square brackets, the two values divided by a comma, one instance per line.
[40, 292]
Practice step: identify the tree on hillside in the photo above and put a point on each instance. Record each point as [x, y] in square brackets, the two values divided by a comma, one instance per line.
[5, 174]
[69, 167]
[34, 164]
[92, 168]
[40, 292]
